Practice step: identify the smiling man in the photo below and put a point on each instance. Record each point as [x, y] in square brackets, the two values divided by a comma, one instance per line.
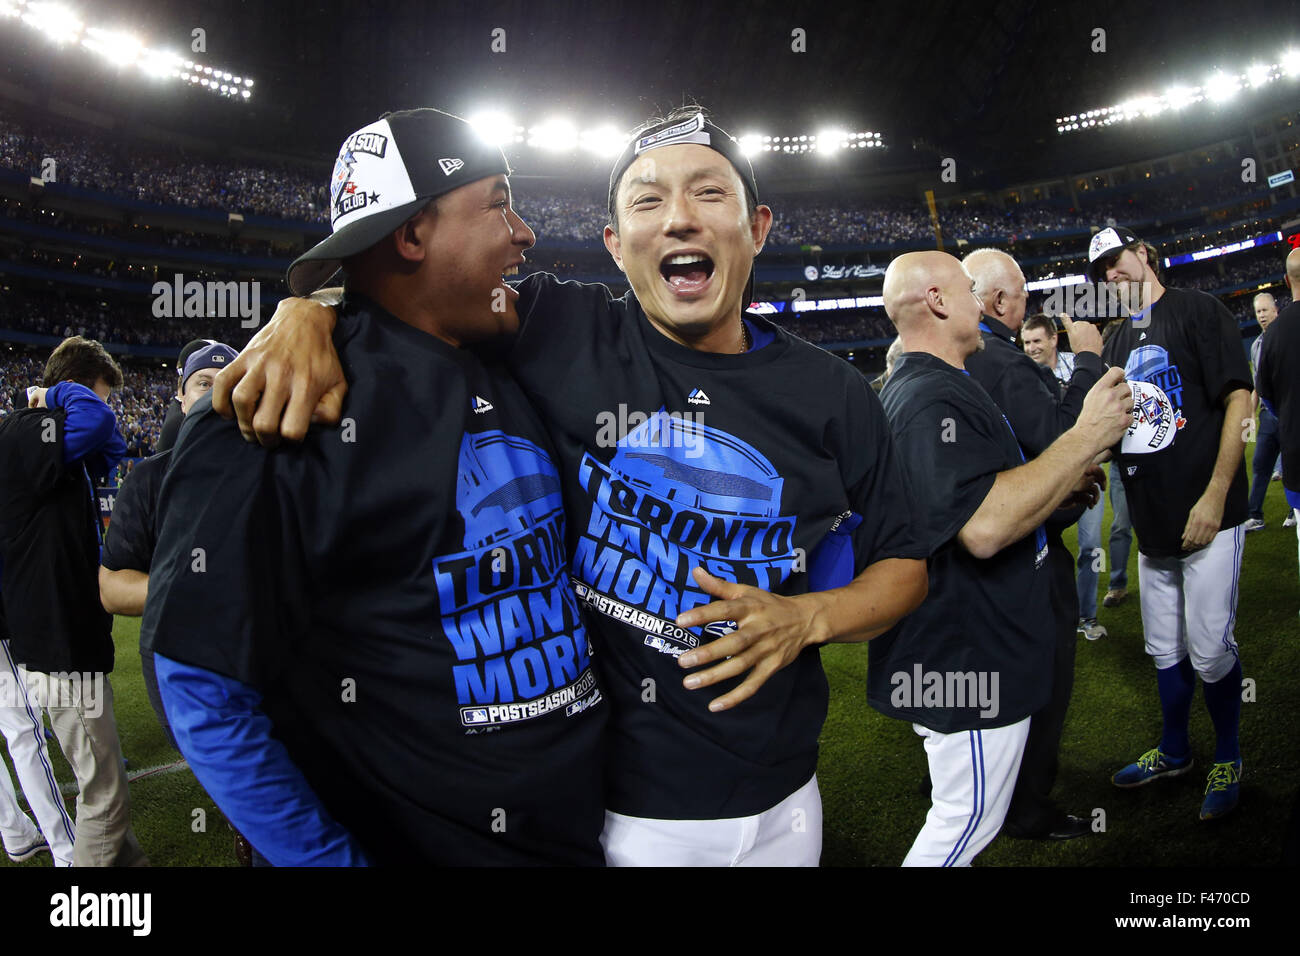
[757, 472]
[366, 645]
[1188, 504]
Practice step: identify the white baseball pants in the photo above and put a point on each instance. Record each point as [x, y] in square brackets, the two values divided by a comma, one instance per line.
[1189, 605]
[789, 834]
[972, 774]
[24, 730]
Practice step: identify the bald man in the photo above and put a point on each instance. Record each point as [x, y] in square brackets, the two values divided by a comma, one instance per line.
[1029, 396]
[971, 665]
[1278, 385]
[1266, 438]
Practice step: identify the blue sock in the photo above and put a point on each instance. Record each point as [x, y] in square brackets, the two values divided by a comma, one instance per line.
[1177, 684]
[1223, 701]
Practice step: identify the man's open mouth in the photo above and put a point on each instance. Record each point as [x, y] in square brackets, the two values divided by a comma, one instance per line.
[686, 272]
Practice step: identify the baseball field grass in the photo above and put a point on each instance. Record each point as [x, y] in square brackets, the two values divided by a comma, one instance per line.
[871, 766]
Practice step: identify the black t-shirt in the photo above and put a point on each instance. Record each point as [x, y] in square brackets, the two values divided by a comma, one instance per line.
[171, 427]
[132, 531]
[978, 653]
[397, 590]
[1190, 347]
[1026, 392]
[755, 459]
[1278, 381]
[49, 547]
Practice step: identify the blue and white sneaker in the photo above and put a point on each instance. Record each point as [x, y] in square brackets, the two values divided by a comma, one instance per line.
[1221, 789]
[40, 846]
[1149, 766]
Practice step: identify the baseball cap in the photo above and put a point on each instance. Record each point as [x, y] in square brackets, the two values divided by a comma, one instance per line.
[216, 355]
[386, 172]
[693, 129]
[190, 348]
[1154, 425]
[1106, 243]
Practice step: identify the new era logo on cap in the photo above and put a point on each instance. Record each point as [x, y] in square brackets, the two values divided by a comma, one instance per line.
[449, 166]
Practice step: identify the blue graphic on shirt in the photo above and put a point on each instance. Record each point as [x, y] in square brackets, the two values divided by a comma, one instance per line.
[505, 601]
[678, 495]
[1150, 363]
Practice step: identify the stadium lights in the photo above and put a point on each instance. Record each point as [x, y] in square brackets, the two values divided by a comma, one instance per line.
[1219, 88]
[554, 135]
[495, 128]
[64, 26]
[831, 141]
[560, 135]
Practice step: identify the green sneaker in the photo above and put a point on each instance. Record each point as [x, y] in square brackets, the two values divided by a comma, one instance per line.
[1221, 789]
[1149, 766]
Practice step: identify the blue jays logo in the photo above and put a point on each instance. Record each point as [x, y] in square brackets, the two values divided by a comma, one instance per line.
[341, 184]
[1150, 363]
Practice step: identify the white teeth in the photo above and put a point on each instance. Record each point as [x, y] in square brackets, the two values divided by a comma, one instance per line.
[686, 259]
[512, 271]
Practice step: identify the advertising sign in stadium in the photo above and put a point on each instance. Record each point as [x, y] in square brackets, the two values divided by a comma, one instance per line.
[1282, 178]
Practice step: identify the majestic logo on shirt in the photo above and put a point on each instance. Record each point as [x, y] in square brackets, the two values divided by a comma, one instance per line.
[480, 405]
[505, 603]
[697, 397]
[1150, 363]
[657, 513]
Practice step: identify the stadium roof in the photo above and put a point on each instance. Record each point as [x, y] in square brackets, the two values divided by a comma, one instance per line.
[983, 83]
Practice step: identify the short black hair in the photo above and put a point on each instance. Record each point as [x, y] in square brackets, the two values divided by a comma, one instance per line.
[680, 113]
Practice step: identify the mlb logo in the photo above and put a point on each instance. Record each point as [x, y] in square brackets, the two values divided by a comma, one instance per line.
[477, 716]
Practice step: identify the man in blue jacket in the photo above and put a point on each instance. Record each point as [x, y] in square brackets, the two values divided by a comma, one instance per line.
[61, 638]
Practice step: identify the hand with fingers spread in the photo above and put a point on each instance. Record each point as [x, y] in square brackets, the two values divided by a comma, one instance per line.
[287, 378]
[771, 631]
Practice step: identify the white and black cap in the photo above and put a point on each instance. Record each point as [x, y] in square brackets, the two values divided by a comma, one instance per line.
[1154, 426]
[1107, 243]
[387, 172]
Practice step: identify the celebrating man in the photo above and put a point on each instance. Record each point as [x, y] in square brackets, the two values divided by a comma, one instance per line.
[705, 454]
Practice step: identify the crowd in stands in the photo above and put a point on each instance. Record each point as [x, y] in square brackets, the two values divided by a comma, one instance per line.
[143, 235]
[163, 175]
[828, 328]
[170, 176]
[50, 314]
